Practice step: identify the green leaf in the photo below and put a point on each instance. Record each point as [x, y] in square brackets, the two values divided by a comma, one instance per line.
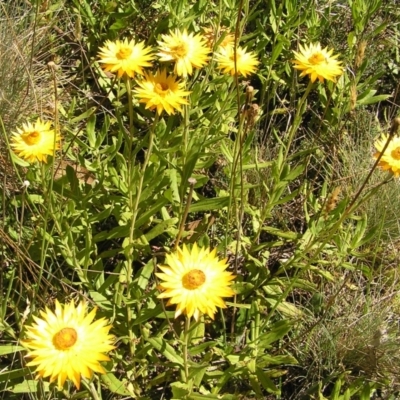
[145, 314]
[19, 161]
[161, 228]
[102, 301]
[9, 349]
[336, 389]
[14, 374]
[90, 130]
[114, 384]
[29, 386]
[278, 330]
[267, 360]
[145, 274]
[267, 383]
[213, 397]
[279, 233]
[88, 113]
[179, 390]
[210, 204]
[195, 350]
[166, 350]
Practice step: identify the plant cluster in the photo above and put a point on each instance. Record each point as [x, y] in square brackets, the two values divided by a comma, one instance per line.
[206, 156]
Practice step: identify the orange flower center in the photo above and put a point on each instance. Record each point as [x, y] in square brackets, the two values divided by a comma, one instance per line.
[193, 279]
[180, 50]
[396, 153]
[32, 138]
[124, 53]
[317, 58]
[65, 339]
[161, 88]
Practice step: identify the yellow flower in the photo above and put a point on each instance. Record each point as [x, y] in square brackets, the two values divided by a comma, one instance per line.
[210, 34]
[195, 280]
[390, 160]
[187, 51]
[317, 63]
[125, 57]
[34, 142]
[162, 92]
[66, 344]
[246, 62]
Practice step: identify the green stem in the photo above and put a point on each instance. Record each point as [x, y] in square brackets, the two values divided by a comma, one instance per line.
[129, 256]
[141, 179]
[297, 118]
[192, 182]
[185, 346]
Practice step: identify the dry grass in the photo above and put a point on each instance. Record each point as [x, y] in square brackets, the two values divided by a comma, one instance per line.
[25, 85]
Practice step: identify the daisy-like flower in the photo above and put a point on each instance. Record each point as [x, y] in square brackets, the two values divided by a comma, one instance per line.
[68, 344]
[318, 63]
[34, 142]
[125, 57]
[390, 160]
[210, 33]
[187, 51]
[246, 62]
[162, 92]
[195, 280]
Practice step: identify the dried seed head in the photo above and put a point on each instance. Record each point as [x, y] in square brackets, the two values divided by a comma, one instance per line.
[360, 53]
[333, 199]
[251, 113]
[249, 94]
[395, 126]
[353, 96]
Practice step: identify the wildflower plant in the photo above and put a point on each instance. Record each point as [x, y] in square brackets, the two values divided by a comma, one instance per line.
[35, 142]
[317, 63]
[196, 281]
[186, 127]
[68, 344]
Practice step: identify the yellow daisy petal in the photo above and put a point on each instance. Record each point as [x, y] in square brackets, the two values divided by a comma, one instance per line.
[390, 160]
[318, 63]
[195, 280]
[67, 345]
[34, 142]
[246, 62]
[162, 92]
[187, 51]
[125, 57]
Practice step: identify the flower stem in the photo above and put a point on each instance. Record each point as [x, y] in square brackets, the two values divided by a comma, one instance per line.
[297, 118]
[185, 346]
[192, 182]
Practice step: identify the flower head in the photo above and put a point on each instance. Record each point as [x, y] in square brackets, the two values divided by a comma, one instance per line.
[125, 57]
[390, 160]
[187, 51]
[34, 142]
[317, 63]
[162, 92]
[223, 38]
[246, 62]
[195, 280]
[67, 344]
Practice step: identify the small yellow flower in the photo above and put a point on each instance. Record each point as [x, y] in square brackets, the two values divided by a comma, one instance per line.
[317, 63]
[34, 142]
[195, 280]
[246, 62]
[125, 57]
[187, 51]
[390, 160]
[67, 344]
[162, 92]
